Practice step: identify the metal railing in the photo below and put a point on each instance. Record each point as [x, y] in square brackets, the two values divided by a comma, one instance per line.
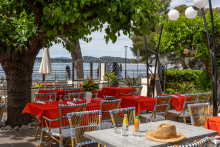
[61, 75]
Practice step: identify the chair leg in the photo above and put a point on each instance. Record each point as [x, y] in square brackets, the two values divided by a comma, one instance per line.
[41, 139]
[52, 143]
[36, 133]
[184, 119]
[60, 141]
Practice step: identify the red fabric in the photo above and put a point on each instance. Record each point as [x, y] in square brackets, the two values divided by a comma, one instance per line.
[51, 110]
[213, 123]
[141, 103]
[177, 102]
[114, 91]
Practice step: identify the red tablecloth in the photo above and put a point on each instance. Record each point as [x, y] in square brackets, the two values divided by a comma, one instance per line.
[140, 104]
[51, 110]
[114, 91]
[213, 123]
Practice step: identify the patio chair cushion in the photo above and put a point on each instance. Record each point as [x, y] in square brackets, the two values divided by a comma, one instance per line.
[148, 115]
[187, 114]
[55, 132]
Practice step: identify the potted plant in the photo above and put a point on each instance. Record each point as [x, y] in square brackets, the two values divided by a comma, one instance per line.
[88, 86]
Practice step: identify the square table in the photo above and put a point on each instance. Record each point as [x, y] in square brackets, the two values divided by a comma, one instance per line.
[141, 103]
[110, 139]
[114, 91]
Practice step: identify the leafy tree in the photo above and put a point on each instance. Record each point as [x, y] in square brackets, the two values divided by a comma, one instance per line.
[27, 26]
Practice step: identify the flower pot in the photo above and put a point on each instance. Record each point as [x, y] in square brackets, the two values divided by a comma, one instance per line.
[88, 97]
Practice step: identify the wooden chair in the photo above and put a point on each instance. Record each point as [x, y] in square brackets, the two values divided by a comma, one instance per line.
[203, 97]
[136, 90]
[45, 96]
[204, 142]
[184, 113]
[72, 90]
[106, 106]
[81, 122]
[81, 95]
[71, 96]
[161, 107]
[199, 113]
[117, 116]
[2, 108]
[63, 131]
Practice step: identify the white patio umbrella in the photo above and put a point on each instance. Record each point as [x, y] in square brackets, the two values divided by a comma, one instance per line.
[45, 67]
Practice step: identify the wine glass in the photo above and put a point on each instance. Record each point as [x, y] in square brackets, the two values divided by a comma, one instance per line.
[61, 101]
[176, 92]
[50, 100]
[96, 99]
[170, 92]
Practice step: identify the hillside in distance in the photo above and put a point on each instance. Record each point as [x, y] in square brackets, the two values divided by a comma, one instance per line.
[86, 59]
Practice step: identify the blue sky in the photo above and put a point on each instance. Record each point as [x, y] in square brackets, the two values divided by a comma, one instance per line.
[98, 47]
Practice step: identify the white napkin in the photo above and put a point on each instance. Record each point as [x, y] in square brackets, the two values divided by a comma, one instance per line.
[70, 103]
[79, 100]
[40, 102]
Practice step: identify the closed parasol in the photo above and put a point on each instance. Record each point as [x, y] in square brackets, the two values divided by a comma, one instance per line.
[45, 67]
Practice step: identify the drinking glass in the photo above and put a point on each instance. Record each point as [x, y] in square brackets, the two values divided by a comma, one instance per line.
[50, 100]
[149, 122]
[96, 99]
[61, 101]
[176, 92]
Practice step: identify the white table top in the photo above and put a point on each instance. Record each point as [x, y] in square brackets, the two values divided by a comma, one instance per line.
[110, 139]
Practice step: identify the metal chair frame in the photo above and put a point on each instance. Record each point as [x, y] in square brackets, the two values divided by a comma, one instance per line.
[45, 94]
[207, 96]
[204, 141]
[185, 109]
[117, 119]
[196, 111]
[2, 108]
[73, 90]
[64, 110]
[157, 107]
[86, 121]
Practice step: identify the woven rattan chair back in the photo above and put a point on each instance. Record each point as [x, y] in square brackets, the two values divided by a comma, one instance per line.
[189, 99]
[81, 122]
[73, 90]
[94, 93]
[136, 90]
[199, 113]
[162, 105]
[204, 142]
[81, 95]
[203, 97]
[71, 96]
[117, 116]
[2, 108]
[107, 105]
[45, 96]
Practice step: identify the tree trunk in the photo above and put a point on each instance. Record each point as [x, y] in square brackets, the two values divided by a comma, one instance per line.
[18, 67]
[183, 63]
[78, 62]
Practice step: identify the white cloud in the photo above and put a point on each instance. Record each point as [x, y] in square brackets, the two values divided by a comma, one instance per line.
[98, 47]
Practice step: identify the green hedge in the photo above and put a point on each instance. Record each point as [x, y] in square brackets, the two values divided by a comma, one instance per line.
[200, 78]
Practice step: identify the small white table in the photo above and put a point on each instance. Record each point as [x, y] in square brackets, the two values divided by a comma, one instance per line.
[110, 139]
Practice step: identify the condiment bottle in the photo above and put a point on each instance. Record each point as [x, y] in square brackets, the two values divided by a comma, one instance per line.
[125, 126]
[136, 125]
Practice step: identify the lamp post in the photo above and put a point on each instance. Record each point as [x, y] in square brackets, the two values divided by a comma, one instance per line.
[190, 13]
[138, 58]
[125, 59]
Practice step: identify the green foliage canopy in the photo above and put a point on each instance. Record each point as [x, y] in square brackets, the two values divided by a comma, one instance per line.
[20, 19]
[188, 34]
